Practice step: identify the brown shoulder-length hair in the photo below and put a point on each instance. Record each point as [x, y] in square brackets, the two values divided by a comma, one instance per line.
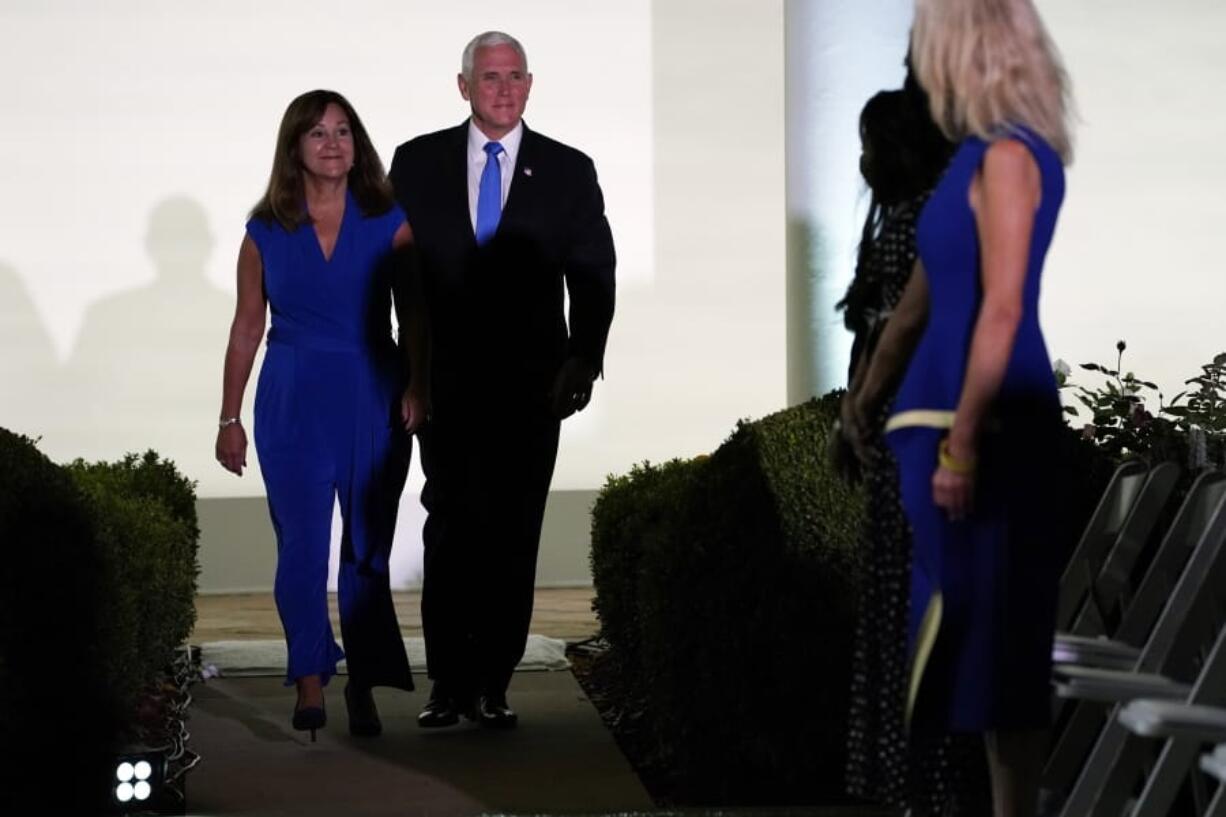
[284, 200]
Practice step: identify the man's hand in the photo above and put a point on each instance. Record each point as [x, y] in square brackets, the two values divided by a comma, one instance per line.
[413, 409]
[572, 388]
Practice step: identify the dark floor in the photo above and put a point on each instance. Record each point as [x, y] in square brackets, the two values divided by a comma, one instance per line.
[560, 761]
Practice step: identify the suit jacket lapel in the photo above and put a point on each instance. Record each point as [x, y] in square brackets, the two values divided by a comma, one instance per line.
[523, 186]
[456, 169]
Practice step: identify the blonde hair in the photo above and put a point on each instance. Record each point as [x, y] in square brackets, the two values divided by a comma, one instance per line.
[988, 65]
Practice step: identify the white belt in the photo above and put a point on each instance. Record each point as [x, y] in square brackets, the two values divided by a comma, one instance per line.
[929, 418]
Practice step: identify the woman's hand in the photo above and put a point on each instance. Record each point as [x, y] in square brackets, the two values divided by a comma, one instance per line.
[953, 483]
[854, 421]
[231, 448]
[954, 492]
[413, 409]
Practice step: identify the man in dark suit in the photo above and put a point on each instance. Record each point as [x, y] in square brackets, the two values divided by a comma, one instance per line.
[505, 221]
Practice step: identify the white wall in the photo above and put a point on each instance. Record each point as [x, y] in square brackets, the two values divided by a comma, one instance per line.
[839, 53]
[1137, 254]
[141, 132]
[138, 134]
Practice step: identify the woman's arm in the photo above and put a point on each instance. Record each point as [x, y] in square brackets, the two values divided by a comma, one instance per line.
[414, 321]
[898, 339]
[1004, 197]
[878, 378]
[246, 332]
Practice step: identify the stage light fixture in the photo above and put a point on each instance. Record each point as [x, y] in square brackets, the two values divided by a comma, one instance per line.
[137, 778]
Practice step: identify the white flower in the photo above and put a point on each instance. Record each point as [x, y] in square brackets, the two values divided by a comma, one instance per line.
[1061, 368]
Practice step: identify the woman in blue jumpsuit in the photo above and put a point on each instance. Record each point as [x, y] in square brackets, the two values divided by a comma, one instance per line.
[323, 253]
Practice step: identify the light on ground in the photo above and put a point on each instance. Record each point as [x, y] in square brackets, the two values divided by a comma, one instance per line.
[140, 777]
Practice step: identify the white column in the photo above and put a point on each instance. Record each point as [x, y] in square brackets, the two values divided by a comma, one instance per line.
[839, 53]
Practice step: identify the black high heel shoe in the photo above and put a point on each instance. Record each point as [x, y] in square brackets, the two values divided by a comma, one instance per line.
[363, 716]
[310, 718]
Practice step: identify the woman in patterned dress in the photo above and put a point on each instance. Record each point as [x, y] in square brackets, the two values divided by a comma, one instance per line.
[903, 154]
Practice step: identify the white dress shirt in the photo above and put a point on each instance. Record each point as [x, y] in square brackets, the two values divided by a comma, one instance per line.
[477, 158]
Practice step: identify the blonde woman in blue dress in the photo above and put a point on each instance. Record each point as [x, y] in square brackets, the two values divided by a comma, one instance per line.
[977, 412]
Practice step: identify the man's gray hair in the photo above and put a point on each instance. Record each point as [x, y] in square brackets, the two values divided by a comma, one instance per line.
[485, 40]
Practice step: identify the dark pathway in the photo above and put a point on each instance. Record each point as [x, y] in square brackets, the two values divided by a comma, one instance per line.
[561, 760]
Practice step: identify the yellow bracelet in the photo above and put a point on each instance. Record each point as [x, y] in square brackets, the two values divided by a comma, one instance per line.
[951, 463]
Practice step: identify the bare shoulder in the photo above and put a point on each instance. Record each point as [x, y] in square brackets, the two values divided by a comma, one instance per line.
[248, 250]
[1011, 174]
[1010, 159]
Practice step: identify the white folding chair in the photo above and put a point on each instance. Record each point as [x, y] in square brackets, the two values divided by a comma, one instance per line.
[1139, 610]
[1117, 532]
[1172, 666]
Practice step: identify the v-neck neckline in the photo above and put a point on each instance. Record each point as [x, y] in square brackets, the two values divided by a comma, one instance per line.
[340, 232]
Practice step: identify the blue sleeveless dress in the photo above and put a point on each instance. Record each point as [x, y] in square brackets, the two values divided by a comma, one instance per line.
[327, 428]
[983, 589]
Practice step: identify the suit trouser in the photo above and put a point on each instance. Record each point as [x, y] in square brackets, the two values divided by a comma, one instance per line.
[487, 479]
[314, 452]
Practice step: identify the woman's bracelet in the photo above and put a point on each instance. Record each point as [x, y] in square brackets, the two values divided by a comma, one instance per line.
[226, 422]
[951, 463]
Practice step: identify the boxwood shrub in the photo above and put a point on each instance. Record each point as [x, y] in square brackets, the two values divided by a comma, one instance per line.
[148, 532]
[96, 592]
[727, 587]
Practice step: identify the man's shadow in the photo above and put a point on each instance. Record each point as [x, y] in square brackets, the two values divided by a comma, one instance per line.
[147, 364]
[29, 369]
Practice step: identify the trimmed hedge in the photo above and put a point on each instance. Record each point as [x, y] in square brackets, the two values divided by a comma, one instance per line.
[635, 513]
[727, 587]
[96, 592]
[52, 710]
[727, 592]
[148, 532]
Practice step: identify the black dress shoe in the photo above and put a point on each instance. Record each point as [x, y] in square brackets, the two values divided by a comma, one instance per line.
[363, 716]
[493, 713]
[441, 710]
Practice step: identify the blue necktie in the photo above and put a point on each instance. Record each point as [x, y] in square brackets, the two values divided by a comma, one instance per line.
[489, 194]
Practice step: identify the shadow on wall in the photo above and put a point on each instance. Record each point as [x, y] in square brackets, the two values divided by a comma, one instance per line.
[29, 370]
[147, 363]
[810, 312]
